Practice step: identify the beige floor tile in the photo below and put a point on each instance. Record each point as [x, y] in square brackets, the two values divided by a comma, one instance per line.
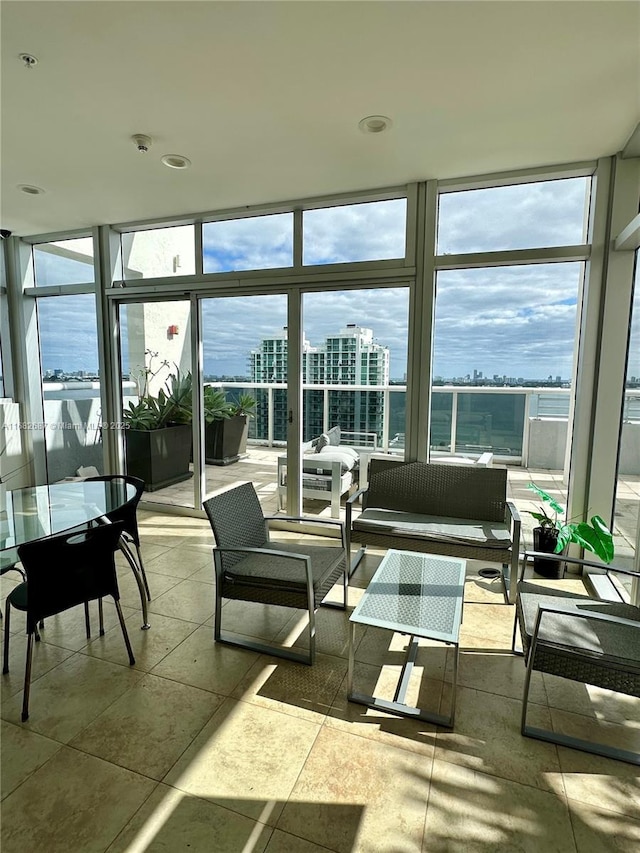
[206, 574]
[188, 600]
[172, 821]
[261, 621]
[391, 729]
[149, 727]
[593, 779]
[44, 658]
[130, 594]
[67, 629]
[332, 631]
[180, 562]
[149, 550]
[293, 688]
[149, 647]
[22, 753]
[598, 830]
[357, 795]
[74, 802]
[379, 647]
[201, 662]
[246, 756]
[71, 696]
[487, 626]
[470, 812]
[487, 738]
[592, 701]
[284, 842]
[501, 673]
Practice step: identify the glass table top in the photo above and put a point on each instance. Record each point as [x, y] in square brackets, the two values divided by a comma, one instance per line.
[38, 511]
[415, 594]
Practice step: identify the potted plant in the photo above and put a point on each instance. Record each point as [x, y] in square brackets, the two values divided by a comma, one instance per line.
[554, 534]
[158, 431]
[226, 425]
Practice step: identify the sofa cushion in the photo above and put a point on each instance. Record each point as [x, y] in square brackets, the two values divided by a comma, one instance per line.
[331, 454]
[466, 531]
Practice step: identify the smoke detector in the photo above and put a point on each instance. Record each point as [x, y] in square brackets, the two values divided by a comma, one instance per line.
[143, 143]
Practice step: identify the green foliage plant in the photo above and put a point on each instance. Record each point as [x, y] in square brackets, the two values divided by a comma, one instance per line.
[592, 535]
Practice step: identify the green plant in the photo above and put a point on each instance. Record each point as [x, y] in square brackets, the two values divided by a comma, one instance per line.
[244, 405]
[592, 535]
[171, 405]
[216, 407]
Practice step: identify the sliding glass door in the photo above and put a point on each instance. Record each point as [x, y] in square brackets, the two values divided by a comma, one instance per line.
[244, 393]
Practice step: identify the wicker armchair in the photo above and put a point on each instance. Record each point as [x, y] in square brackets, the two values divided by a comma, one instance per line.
[249, 567]
[579, 638]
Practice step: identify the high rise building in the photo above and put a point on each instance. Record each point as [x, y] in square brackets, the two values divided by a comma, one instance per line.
[351, 357]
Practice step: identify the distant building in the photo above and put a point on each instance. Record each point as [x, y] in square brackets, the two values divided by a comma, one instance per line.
[351, 357]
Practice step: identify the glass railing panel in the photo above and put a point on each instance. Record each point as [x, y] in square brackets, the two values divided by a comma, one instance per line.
[490, 422]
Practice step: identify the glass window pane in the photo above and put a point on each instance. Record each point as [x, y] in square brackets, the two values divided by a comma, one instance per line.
[255, 243]
[627, 504]
[503, 328]
[70, 384]
[370, 231]
[523, 216]
[64, 262]
[159, 253]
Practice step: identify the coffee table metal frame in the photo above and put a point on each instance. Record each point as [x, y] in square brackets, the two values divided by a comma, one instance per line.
[416, 594]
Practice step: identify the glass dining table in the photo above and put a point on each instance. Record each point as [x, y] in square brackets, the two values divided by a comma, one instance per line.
[36, 512]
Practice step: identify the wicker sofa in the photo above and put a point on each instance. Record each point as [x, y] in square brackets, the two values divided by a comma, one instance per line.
[455, 510]
[329, 470]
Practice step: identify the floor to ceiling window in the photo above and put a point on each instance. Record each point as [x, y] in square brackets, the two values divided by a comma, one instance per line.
[627, 502]
[245, 392]
[505, 320]
[68, 336]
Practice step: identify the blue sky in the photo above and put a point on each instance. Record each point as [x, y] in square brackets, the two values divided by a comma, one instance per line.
[517, 321]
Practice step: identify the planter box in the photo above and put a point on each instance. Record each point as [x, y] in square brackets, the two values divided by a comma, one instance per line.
[225, 440]
[160, 457]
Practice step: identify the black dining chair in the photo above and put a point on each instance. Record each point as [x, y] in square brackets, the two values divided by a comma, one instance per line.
[62, 572]
[127, 514]
[9, 563]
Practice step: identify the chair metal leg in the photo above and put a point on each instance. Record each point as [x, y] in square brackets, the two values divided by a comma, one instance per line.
[142, 571]
[27, 679]
[136, 574]
[567, 740]
[125, 634]
[5, 660]
[101, 617]
[87, 620]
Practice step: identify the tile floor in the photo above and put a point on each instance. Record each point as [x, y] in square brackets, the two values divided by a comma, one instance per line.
[209, 748]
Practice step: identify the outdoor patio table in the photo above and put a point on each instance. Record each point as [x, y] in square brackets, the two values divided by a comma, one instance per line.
[37, 512]
[416, 594]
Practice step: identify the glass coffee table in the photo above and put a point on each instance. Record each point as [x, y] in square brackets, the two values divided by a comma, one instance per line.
[416, 594]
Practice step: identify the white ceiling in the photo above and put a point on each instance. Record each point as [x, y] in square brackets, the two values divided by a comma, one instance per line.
[265, 97]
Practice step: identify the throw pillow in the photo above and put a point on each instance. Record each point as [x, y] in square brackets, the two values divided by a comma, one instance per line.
[322, 441]
[334, 436]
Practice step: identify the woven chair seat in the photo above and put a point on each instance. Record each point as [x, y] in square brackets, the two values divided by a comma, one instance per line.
[606, 654]
[250, 566]
[582, 639]
[284, 578]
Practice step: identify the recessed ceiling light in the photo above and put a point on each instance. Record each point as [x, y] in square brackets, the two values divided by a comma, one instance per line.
[375, 124]
[28, 60]
[30, 190]
[176, 161]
